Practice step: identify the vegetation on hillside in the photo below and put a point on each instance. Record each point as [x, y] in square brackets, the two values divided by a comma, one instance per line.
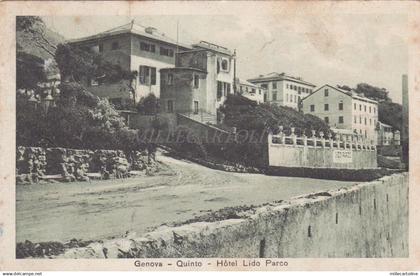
[78, 119]
[243, 113]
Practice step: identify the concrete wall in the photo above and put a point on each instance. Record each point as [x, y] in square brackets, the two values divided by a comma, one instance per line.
[167, 121]
[368, 220]
[319, 157]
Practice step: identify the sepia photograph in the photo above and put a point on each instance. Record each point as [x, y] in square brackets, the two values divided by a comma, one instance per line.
[211, 140]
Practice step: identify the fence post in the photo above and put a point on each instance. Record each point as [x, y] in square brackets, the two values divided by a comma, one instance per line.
[321, 134]
[330, 139]
[283, 139]
[305, 140]
[293, 135]
[313, 137]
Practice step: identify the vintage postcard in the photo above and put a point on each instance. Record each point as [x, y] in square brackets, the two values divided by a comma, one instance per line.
[209, 135]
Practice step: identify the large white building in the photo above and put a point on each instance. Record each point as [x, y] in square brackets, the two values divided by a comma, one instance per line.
[133, 47]
[344, 110]
[282, 89]
[250, 90]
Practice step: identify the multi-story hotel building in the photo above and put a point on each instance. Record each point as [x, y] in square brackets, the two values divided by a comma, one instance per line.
[344, 110]
[135, 48]
[282, 89]
[199, 83]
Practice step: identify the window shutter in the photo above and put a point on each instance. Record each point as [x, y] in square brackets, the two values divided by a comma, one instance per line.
[153, 76]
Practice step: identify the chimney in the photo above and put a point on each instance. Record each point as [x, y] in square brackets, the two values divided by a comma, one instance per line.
[150, 30]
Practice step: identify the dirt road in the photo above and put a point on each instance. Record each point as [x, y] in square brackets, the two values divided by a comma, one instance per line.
[103, 209]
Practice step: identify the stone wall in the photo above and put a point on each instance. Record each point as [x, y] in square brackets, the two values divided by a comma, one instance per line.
[365, 220]
[34, 164]
[303, 152]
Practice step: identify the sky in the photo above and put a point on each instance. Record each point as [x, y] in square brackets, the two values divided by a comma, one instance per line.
[344, 49]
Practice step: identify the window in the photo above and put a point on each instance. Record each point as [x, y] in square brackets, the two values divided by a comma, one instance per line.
[223, 88]
[295, 98]
[365, 121]
[374, 110]
[253, 90]
[195, 107]
[312, 107]
[355, 119]
[170, 107]
[274, 85]
[355, 106]
[370, 109]
[365, 108]
[299, 99]
[274, 96]
[287, 97]
[370, 121]
[147, 75]
[327, 120]
[147, 47]
[326, 107]
[101, 47]
[264, 85]
[225, 65]
[326, 92]
[115, 45]
[287, 86]
[360, 119]
[196, 81]
[360, 107]
[166, 52]
[170, 79]
[219, 90]
[341, 120]
[340, 106]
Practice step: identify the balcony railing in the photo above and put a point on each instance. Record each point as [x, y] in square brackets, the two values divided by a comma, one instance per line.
[351, 142]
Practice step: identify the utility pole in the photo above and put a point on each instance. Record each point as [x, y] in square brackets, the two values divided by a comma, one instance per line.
[405, 122]
[177, 36]
[234, 72]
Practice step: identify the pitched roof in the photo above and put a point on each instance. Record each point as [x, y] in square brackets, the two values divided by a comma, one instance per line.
[132, 28]
[247, 83]
[279, 76]
[352, 93]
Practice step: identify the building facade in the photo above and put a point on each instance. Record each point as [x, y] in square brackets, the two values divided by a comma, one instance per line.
[199, 83]
[387, 135]
[344, 110]
[250, 90]
[283, 90]
[137, 49]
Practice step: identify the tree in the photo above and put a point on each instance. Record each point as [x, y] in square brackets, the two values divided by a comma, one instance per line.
[344, 87]
[78, 64]
[148, 105]
[390, 113]
[33, 28]
[29, 71]
[373, 92]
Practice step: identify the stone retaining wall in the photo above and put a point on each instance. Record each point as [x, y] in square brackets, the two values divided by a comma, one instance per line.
[34, 163]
